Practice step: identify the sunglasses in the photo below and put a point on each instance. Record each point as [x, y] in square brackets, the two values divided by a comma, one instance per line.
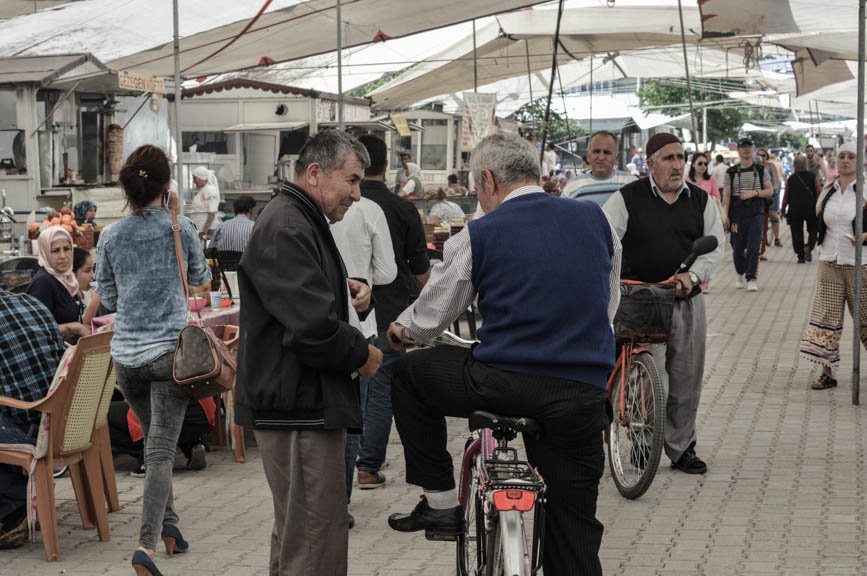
[763, 155]
[701, 163]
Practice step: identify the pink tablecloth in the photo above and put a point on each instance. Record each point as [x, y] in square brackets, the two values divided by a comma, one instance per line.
[210, 317]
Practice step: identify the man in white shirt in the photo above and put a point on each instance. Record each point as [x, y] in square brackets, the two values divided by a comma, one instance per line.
[718, 172]
[549, 160]
[364, 242]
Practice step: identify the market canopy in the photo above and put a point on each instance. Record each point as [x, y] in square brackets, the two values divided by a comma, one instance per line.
[513, 43]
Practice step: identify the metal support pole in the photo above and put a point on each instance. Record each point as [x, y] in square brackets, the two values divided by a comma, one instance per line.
[551, 83]
[529, 72]
[339, 69]
[568, 125]
[179, 166]
[476, 62]
[591, 94]
[686, 68]
[859, 224]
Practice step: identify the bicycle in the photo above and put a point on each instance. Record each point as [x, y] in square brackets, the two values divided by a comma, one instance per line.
[636, 434]
[496, 490]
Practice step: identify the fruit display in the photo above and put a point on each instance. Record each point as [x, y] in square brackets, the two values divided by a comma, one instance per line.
[82, 234]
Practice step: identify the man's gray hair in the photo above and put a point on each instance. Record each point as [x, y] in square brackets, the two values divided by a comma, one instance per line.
[508, 157]
[329, 149]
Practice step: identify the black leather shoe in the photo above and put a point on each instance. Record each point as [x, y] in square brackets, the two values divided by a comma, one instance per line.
[437, 524]
[689, 462]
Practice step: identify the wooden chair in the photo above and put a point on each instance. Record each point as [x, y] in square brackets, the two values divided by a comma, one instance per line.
[66, 432]
[235, 434]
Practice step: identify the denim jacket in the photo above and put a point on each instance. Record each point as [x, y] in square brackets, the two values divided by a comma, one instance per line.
[137, 276]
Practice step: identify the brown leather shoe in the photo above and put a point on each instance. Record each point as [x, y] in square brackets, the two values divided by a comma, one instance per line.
[370, 480]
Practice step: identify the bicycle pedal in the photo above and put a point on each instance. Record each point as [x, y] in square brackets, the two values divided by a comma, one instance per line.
[440, 536]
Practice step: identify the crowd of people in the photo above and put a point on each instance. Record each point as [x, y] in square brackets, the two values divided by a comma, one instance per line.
[336, 285]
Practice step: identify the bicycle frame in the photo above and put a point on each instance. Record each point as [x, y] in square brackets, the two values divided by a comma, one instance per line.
[505, 500]
[623, 367]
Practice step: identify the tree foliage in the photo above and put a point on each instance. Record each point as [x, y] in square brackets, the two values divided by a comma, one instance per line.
[533, 114]
[722, 124]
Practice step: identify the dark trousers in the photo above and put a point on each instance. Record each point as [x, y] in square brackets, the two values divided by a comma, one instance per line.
[13, 484]
[746, 238]
[446, 381]
[797, 226]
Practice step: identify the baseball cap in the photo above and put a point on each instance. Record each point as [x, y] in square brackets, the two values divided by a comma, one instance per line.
[745, 142]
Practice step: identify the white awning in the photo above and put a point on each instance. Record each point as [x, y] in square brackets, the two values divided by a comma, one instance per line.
[266, 127]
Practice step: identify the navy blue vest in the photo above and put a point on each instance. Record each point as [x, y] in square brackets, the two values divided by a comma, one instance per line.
[542, 269]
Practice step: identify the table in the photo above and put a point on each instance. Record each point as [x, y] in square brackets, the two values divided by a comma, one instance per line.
[228, 316]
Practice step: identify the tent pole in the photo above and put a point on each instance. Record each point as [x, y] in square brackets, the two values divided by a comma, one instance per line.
[859, 224]
[529, 73]
[568, 124]
[591, 93]
[551, 83]
[686, 68]
[339, 69]
[179, 167]
[476, 61]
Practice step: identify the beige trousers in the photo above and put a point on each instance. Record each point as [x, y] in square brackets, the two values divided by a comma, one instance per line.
[305, 471]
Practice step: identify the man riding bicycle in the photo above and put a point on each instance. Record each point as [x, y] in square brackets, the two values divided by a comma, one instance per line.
[657, 219]
[546, 271]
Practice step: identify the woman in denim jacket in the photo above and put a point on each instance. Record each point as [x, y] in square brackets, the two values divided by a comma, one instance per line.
[138, 277]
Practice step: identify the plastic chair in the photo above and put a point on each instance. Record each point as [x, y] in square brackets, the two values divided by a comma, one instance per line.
[66, 432]
[102, 444]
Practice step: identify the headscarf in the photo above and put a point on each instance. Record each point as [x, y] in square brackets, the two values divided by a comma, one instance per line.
[81, 209]
[848, 147]
[46, 237]
[203, 173]
[413, 169]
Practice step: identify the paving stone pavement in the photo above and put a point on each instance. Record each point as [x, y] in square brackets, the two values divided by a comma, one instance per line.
[784, 493]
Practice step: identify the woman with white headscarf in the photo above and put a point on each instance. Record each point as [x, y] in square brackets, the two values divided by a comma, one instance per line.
[206, 200]
[413, 184]
[56, 286]
[836, 285]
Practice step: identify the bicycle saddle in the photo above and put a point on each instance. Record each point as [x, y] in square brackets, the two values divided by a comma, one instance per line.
[481, 419]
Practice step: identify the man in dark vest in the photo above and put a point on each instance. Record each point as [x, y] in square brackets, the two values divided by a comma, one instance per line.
[544, 354]
[657, 219]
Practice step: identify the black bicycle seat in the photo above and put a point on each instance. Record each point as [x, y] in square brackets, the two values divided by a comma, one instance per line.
[481, 419]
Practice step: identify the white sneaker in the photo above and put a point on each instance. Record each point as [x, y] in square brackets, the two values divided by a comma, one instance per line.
[740, 282]
[752, 286]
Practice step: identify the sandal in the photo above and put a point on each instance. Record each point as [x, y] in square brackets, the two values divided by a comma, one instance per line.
[824, 382]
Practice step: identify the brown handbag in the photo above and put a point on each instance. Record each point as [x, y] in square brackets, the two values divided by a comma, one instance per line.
[203, 363]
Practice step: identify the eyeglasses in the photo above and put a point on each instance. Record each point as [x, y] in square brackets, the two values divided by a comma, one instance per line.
[701, 163]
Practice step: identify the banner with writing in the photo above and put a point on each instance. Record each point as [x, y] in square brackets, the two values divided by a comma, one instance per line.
[478, 120]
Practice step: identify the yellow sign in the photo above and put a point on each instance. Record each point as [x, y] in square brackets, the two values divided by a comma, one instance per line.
[400, 124]
[140, 83]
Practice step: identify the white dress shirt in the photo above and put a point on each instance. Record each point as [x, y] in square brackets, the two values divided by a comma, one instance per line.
[839, 214]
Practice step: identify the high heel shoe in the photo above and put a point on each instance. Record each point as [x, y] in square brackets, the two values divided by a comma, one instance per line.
[143, 564]
[173, 540]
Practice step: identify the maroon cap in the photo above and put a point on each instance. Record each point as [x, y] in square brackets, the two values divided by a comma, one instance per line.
[660, 141]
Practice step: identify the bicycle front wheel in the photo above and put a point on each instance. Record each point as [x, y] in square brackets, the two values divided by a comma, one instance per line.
[635, 436]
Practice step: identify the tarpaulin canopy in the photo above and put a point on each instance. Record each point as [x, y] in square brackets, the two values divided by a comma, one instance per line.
[306, 28]
[512, 43]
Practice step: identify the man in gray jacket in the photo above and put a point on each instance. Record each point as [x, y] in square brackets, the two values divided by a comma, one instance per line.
[298, 354]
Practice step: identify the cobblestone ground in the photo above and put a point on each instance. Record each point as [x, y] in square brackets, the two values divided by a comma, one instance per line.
[784, 494]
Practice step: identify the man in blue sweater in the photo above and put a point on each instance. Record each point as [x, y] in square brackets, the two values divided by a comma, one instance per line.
[546, 272]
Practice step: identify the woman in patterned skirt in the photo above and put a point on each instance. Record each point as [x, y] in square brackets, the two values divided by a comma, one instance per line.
[835, 287]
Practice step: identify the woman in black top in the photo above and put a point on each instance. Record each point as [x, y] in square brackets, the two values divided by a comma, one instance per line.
[802, 189]
[56, 286]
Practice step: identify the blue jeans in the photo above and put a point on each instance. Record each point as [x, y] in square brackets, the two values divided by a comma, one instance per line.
[159, 404]
[13, 484]
[376, 408]
[376, 414]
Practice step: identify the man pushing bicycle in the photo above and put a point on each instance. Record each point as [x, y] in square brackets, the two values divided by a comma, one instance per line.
[657, 219]
[546, 271]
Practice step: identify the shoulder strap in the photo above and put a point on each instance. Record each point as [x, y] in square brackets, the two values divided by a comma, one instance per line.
[179, 252]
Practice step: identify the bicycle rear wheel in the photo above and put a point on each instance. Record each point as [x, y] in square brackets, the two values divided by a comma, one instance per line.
[635, 436]
[471, 555]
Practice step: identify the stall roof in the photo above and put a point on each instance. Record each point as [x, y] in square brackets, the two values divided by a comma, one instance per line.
[235, 83]
[43, 70]
[266, 126]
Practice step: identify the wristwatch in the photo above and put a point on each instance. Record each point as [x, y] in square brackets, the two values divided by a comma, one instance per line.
[694, 277]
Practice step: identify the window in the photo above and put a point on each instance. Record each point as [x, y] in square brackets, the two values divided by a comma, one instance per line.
[434, 144]
[216, 142]
[12, 156]
[401, 145]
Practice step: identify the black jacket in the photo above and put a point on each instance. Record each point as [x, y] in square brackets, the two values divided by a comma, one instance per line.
[297, 349]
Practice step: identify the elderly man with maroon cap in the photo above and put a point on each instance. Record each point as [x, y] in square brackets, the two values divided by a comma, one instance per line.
[657, 219]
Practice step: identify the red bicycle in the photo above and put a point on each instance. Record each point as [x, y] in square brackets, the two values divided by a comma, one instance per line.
[635, 389]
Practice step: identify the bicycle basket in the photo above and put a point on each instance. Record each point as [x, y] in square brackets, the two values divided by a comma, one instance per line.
[645, 311]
